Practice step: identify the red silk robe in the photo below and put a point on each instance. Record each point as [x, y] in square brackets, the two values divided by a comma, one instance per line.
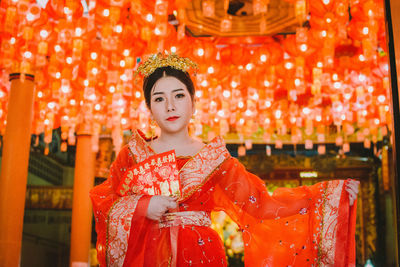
[303, 226]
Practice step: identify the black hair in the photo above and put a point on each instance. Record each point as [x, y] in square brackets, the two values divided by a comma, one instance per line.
[150, 80]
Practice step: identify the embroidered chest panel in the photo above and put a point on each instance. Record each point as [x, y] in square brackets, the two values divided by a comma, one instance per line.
[197, 170]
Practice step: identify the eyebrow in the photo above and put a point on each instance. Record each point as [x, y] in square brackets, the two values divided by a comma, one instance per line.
[161, 93]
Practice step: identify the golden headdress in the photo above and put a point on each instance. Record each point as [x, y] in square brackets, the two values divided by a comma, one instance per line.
[163, 60]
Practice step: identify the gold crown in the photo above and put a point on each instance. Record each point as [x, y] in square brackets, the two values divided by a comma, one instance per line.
[161, 60]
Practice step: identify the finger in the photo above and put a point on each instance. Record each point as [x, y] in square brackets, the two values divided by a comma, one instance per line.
[173, 198]
[172, 205]
[353, 185]
[351, 194]
[353, 188]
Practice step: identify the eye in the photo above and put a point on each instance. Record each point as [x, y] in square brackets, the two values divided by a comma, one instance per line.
[158, 99]
[180, 95]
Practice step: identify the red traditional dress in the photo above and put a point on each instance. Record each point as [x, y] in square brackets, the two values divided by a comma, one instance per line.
[303, 226]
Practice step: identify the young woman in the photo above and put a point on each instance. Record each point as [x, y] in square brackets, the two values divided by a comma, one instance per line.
[303, 226]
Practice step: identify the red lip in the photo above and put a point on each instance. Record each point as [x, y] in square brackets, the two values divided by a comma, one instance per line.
[172, 118]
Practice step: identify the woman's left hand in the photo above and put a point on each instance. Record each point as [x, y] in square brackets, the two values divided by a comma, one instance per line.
[352, 188]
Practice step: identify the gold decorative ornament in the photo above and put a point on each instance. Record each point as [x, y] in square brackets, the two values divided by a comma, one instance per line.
[163, 60]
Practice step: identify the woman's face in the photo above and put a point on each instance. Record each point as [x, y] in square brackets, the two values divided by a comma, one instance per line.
[171, 105]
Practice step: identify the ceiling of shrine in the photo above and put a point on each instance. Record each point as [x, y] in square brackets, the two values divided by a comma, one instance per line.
[246, 18]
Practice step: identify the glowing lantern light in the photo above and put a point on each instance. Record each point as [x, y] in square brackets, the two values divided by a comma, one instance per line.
[319, 64]
[210, 70]
[40, 94]
[249, 66]
[93, 55]
[266, 83]
[200, 52]
[337, 85]
[306, 111]
[12, 40]
[199, 93]
[234, 84]
[149, 17]
[204, 83]
[303, 47]
[123, 77]
[263, 58]
[138, 94]
[97, 107]
[126, 52]
[365, 30]
[44, 34]
[173, 49]
[361, 58]
[381, 98]
[65, 89]
[28, 54]
[78, 32]
[362, 78]
[226, 93]
[240, 104]
[106, 12]
[278, 114]
[57, 48]
[386, 67]
[118, 28]
[289, 65]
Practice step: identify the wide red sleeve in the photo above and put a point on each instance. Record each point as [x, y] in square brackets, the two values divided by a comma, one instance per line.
[113, 214]
[302, 226]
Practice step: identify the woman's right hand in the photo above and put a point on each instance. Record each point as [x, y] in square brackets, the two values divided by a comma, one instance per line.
[159, 205]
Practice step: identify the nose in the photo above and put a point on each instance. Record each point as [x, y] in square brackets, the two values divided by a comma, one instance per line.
[170, 105]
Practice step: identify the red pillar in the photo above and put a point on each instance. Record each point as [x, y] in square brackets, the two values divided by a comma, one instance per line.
[14, 168]
[81, 225]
